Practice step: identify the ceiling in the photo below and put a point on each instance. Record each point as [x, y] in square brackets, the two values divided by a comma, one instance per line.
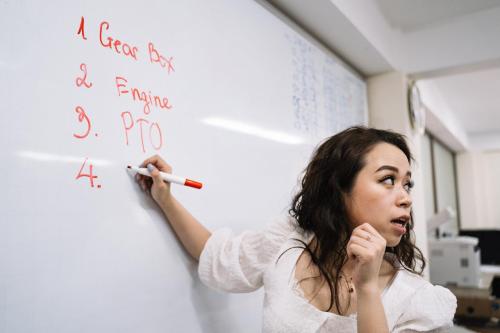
[451, 47]
[414, 15]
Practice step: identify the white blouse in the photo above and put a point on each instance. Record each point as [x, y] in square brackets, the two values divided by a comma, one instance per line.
[245, 262]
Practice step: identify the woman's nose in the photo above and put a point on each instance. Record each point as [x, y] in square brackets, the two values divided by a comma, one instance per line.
[404, 199]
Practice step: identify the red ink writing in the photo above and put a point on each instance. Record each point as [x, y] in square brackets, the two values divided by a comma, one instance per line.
[139, 128]
[82, 116]
[127, 127]
[155, 56]
[154, 128]
[116, 44]
[82, 80]
[81, 29]
[158, 132]
[90, 175]
[140, 95]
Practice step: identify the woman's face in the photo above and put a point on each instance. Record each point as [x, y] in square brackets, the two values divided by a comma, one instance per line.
[381, 193]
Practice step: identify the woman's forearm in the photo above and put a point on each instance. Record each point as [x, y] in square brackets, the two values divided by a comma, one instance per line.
[371, 314]
[192, 234]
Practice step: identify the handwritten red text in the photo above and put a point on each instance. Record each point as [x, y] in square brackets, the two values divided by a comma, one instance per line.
[155, 56]
[140, 95]
[154, 130]
[116, 44]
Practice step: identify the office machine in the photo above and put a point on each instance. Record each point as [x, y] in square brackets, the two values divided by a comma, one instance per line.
[455, 261]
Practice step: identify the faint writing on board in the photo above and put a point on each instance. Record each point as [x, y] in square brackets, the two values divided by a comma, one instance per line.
[326, 97]
[304, 82]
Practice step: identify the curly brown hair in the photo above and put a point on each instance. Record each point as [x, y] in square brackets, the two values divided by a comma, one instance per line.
[319, 206]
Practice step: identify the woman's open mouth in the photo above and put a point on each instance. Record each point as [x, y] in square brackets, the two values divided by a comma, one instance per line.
[400, 223]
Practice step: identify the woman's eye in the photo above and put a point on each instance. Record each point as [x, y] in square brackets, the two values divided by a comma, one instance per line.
[388, 180]
[409, 186]
[391, 180]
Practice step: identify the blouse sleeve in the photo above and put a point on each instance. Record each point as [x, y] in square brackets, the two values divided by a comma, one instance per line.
[236, 263]
[431, 309]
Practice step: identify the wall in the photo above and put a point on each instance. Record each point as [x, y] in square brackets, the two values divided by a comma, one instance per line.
[440, 120]
[479, 189]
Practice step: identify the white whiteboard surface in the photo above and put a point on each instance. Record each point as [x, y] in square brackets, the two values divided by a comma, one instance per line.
[249, 98]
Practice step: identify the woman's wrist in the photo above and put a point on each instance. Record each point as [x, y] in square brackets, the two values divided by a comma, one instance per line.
[166, 202]
[368, 290]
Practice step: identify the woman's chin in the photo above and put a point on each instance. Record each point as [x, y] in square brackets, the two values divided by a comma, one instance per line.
[392, 241]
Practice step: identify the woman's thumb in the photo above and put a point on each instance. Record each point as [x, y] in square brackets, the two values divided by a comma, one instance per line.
[155, 174]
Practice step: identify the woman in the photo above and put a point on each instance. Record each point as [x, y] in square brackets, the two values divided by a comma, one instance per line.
[344, 260]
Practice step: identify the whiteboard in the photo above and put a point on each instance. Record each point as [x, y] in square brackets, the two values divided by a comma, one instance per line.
[238, 99]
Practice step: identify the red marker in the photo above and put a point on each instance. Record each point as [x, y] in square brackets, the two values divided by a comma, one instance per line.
[168, 177]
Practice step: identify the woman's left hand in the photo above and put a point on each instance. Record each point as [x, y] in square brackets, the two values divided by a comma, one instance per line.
[366, 249]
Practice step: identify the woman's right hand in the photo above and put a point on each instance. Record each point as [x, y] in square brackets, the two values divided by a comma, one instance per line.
[191, 233]
[159, 189]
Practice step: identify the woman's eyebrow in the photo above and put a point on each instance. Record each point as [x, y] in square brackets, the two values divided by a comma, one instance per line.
[392, 168]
